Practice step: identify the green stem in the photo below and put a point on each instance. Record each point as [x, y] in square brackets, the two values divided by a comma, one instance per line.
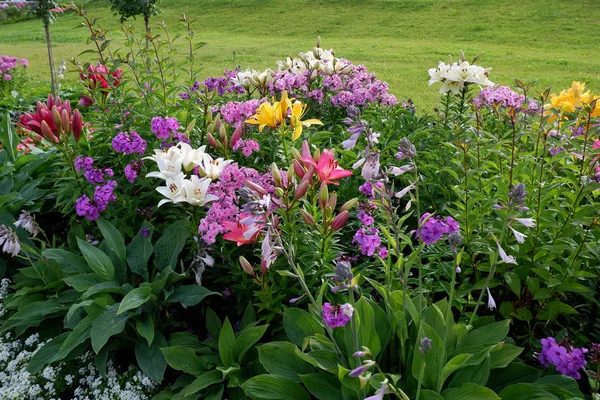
[421, 374]
[449, 316]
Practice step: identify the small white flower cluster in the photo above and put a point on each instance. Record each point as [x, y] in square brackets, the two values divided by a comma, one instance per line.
[4, 284]
[177, 161]
[458, 75]
[253, 79]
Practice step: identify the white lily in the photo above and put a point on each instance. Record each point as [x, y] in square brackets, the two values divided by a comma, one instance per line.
[212, 168]
[196, 191]
[173, 190]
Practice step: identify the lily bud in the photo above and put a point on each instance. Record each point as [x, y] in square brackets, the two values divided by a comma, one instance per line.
[309, 174]
[256, 187]
[349, 205]
[64, 119]
[298, 168]
[57, 119]
[276, 175]
[290, 176]
[246, 266]
[276, 222]
[77, 125]
[305, 150]
[301, 190]
[47, 132]
[223, 135]
[331, 203]
[209, 117]
[323, 197]
[339, 221]
[307, 218]
[211, 140]
[237, 134]
[317, 154]
[296, 154]
[279, 192]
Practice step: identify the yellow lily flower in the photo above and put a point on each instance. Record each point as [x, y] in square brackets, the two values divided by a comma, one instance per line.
[271, 115]
[298, 111]
[567, 101]
[282, 107]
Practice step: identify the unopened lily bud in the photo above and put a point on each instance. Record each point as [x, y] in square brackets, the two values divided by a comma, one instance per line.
[256, 187]
[77, 125]
[47, 132]
[290, 176]
[64, 119]
[339, 221]
[246, 266]
[298, 169]
[209, 117]
[67, 106]
[317, 154]
[211, 140]
[279, 192]
[332, 202]
[223, 135]
[349, 205]
[309, 174]
[301, 190]
[296, 154]
[318, 41]
[276, 222]
[323, 197]
[57, 119]
[237, 134]
[276, 174]
[307, 218]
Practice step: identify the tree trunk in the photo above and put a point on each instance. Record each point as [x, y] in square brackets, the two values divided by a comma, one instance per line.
[147, 24]
[53, 82]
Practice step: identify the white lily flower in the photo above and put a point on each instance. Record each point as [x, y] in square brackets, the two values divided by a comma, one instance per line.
[518, 235]
[505, 257]
[435, 74]
[528, 222]
[173, 190]
[196, 191]
[212, 168]
[191, 156]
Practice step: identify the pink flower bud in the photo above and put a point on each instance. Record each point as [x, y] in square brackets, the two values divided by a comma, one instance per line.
[298, 169]
[66, 124]
[246, 266]
[211, 140]
[77, 125]
[307, 218]
[86, 101]
[256, 187]
[339, 221]
[301, 190]
[237, 134]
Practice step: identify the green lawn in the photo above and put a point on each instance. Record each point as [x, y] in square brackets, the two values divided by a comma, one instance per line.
[551, 41]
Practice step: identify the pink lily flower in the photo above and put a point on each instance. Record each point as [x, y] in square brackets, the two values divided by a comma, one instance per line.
[325, 166]
[241, 233]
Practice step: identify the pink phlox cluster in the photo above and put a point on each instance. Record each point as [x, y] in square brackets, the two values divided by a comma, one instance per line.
[236, 112]
[567, 359]
[247, 147]
[433, 228]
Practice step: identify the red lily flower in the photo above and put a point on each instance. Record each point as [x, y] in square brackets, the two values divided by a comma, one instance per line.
[241, 233]
[53, 120]
[325, 165]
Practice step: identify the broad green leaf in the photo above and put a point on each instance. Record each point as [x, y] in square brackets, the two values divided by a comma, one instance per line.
[69, 263]
[8, 138]
[515, 372]
[269, 387]
[213, 323]
[184, 359]
[98, 261]
[134, 299]
[367, 335]
[526, 391]
[488, 334]
[503, 355]
[150, 358]
[477, 374]
[323, 386]
[77, 336]
[245, 340]
[83, 282]
[139, 252]
[299, 324]
[456, 363]
[203, 381]
[145, 327]
[563, 381]
[104, 287]
[190, 295]
[168, 247]
[226, 341]
[106, 325]
[470, 391]
[113, 238]
[433, 364]
[280, 358]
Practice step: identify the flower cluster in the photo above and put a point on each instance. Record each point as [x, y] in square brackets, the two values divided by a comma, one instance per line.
[164, 127]
[236, 112]
[9, 241]
[247, 147]
[434, 227]
[567, 359]
[91, 208]
[337, 316]
[27, 222]
[55, 121]
[456, 76]
[93, 174]
[9, 66]
[100, 77]
[129, 143]
[567, 101]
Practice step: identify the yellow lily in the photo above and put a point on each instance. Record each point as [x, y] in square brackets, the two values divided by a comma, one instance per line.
[298, 111]
[568, 100]
[271, 115]
[282, 107]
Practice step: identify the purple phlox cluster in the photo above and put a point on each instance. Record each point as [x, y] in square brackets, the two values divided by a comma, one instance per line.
[368, 240]
[290, 81]
[567, 359]
[129, 143]
[163, 127]
[365, 218]
[359, 88]
[226, 209]
[132, 170]
[434, 227]
[337, 316]
[499, 96]
[92, 174]
[368, 188]
[316, 95]
[555, 150]
[91, 208]
[236, 112]
[222, 85]
[247, 147]
[8, 66]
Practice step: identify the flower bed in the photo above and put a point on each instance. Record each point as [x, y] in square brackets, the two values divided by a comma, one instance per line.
[298, 233]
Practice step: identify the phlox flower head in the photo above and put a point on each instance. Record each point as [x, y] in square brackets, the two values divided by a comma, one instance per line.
[128, 143]
[163, 127]
[567, 359]
[433, 228]
[368, 240]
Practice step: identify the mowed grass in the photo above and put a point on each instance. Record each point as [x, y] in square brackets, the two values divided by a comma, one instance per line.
[549, 41]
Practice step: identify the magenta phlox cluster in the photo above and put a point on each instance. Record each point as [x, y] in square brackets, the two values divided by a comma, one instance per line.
[91, 208]
[163, 127]
[236, 112]
[132, 170]
[290, 81]
[247, 147]
[8, 66]
[360, 88]
[567, 359]
[433, 228]
[90, 172]
[368, 240]
[129, 143]
[499, 96]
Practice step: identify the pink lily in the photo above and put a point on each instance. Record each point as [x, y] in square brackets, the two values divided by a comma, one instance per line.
[241, 233]
[325, 165]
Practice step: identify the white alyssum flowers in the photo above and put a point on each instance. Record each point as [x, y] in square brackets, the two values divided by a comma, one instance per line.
[173, 166]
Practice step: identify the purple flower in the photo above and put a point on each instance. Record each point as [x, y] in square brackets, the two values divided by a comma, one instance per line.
[162, 127]
[368, 239]
[129, 143]
[567, 359]
[500, 96]
[365, 218]
[336, 316]
[132, 170]
[247, 147]
[433, 228]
